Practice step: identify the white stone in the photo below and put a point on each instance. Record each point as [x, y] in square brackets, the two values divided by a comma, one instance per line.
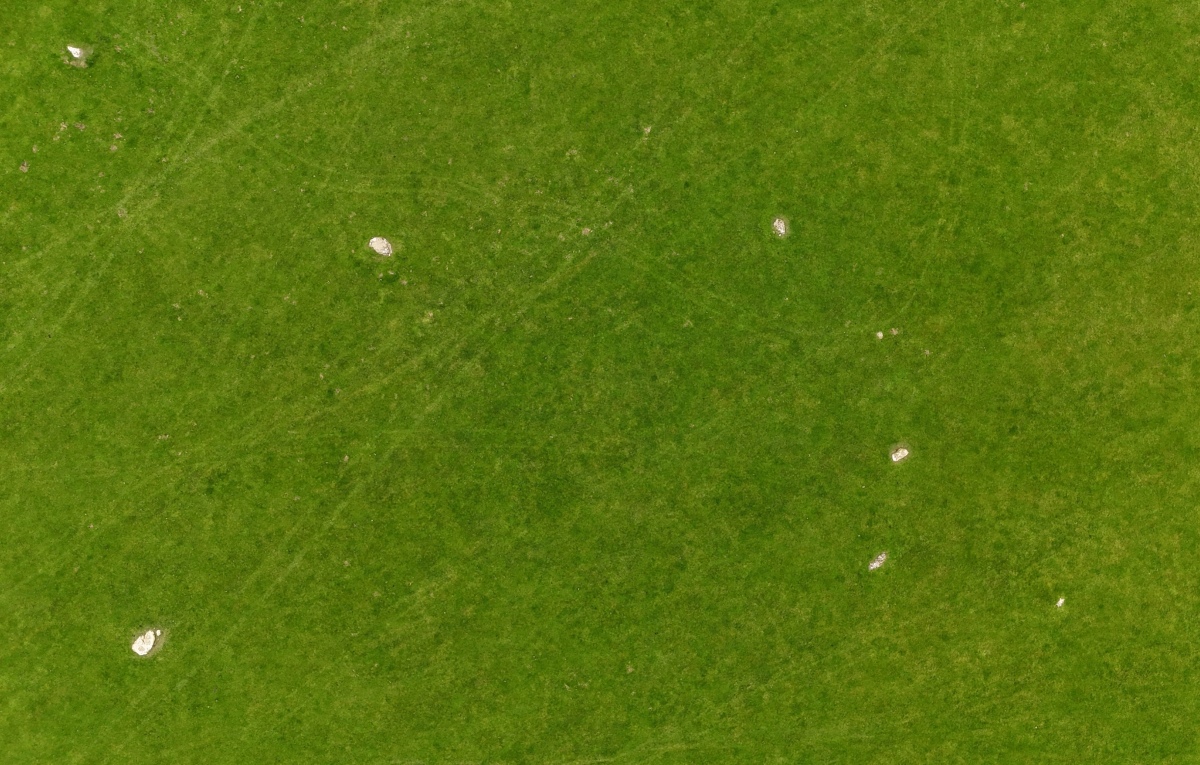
[1060, 602]
[880, 559]
[380, 245]
[899, 454]
[143, 644]
[75, 52]
[779, 226]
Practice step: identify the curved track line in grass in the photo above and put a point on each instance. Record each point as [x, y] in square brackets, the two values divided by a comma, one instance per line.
[451, 344]
[141, 185]
[523, 303]
[302, 84]
[245, 611]
[418, 599]
[108, 524]
[564, 274]
[423, 595]
[237, 126]
[320, 533]
[734, 317]
[198, 72]
[454, 344]
[230, 131]
[848, 76]
[144, 185]
[646, 752]
[522, 306]
[37, 323]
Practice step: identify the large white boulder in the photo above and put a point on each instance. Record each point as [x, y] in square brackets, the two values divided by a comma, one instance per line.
[380, 245]
[144, 643]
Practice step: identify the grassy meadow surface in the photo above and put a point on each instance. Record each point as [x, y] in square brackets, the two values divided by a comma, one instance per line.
[591, 470]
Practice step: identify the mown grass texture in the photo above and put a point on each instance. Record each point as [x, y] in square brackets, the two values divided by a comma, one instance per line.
[592, 468]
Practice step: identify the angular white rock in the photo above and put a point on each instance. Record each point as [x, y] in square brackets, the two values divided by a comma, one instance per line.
[75, 52]
[144, 642]
[779, 226]
[1060, 602]
[900, 453]
[880, 559]
[380, 245]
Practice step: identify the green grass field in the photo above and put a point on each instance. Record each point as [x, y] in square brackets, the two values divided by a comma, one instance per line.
[591, 470]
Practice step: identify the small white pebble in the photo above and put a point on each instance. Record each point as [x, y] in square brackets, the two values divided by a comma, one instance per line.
[780, 227]
[878, 335]
[899, 454]
[879, 560]
[1060, 602]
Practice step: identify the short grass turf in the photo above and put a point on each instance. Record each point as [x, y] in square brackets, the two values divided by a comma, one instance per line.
[592, 469]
